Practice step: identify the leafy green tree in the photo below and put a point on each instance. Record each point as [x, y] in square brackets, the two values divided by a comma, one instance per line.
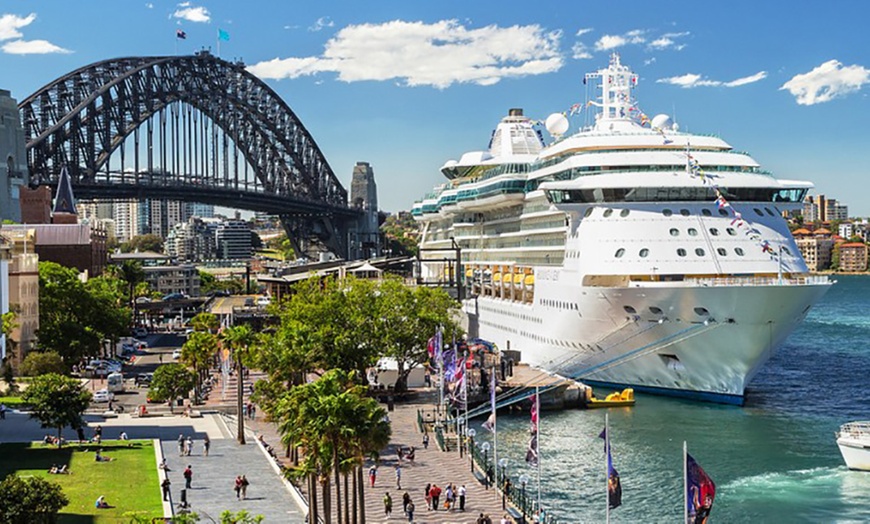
[205, 322]
[7, 325]
[149, 242]
[57, 401]
[239, 340]
[242, 517]
[197, 352]
[170, 382]
[30, 501]
[41, 362]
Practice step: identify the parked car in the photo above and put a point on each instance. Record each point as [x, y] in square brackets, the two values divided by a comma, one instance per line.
[143, 300]
[264, 301]
[144, 379]
[103, 395]
[140, 332]
[176, 354]
[140, 343]
[174, 296]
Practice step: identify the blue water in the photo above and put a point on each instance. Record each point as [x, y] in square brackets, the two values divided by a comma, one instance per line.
[773, 460]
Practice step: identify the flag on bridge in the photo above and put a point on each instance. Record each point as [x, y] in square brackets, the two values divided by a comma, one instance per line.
[181, 35]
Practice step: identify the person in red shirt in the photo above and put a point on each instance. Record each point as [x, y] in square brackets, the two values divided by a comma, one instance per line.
[435, 493]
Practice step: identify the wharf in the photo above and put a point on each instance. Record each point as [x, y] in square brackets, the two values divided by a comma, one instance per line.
[565, 394]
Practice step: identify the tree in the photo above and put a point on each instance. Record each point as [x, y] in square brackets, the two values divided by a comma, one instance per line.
[239, 339]
[138, 243]
[7, 325]
[170, 382]
[30, 501]
[242, 517]
[205, 322]
[197, 352]
[57, 401]
[42, 362]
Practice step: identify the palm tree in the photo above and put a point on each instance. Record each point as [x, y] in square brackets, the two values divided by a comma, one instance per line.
[132, 273]
[239, 339]
[205, 322]
[196, 352]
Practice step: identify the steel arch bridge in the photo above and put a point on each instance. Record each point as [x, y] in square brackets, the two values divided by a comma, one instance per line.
[192, 128]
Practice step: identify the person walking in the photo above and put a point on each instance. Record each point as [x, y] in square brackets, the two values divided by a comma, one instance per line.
[188, 446]
[410, 511]
[188, 476]
[237, 486]
[462, 492]
[180, 445]
[245, 485]
[388, 504]
[373, 474]
[398, 477]
[435, 493]
[165, 485]
[406, 499]
[428, 497]
[425, 441]
[206, 443]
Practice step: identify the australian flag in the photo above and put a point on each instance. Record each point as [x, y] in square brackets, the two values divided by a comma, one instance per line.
[181, 35]
[701, 492]
[614, 486]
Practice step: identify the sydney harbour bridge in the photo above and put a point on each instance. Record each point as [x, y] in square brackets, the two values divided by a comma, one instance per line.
[190, 128]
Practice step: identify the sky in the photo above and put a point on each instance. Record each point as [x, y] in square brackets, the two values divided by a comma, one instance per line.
[408, 85]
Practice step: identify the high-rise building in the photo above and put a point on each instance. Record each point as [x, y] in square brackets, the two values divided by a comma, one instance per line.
[233, 240]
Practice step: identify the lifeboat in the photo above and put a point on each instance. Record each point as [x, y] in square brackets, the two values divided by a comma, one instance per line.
[619, 399]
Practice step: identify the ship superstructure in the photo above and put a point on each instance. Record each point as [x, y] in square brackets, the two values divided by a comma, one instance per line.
[626, 254]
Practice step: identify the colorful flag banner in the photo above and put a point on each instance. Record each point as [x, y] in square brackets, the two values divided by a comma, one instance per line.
[489, 425]
[223, 35]
[532, 451]
[700, 492]
[614, 486]
[181, 35]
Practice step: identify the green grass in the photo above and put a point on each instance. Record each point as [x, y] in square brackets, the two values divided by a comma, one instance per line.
[129, 482]
[12, 402]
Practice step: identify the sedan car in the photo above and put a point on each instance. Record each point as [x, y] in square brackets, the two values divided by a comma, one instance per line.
[103, 395]
[176, 354]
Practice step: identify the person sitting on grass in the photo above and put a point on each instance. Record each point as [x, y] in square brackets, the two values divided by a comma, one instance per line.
[101, 503]
[98, 457]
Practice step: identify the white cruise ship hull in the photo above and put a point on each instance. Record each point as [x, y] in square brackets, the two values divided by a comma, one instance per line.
[855, 453]
[667, 346]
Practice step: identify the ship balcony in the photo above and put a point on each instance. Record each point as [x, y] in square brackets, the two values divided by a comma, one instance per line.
[730, 281]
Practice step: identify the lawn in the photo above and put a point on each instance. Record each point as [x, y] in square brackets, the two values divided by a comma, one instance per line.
[129, 482]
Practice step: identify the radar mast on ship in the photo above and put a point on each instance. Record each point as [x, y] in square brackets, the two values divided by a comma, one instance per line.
[616, 101]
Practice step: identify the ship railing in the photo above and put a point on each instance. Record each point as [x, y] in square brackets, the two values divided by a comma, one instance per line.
[855, 430]
[805, 280]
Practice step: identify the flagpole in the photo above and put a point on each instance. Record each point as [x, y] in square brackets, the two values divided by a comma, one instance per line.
[439, 343]
[538, 439]
[606, 465]
[465, 392]
[219, 44]
[685, 486]
[494, 429]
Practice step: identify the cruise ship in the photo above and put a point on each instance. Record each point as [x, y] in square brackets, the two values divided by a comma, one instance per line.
[626, 254]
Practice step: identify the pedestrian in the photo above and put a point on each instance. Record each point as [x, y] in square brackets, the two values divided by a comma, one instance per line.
[462, 492]
[486, 519]
[504, 520]
[388, 504]
[448, 497]
[237, 486]
[245, 485]
[81, 434]
[406, 499]
[428, 497]
[188, 445]
[253, 410]
[435, 493]
[398, 477]
[410, 511]
[373, 474]
[206, 443]
[165, 485]
[98, 433]
[180, 445]
[188, 476]
[161, 358]
[425, 441]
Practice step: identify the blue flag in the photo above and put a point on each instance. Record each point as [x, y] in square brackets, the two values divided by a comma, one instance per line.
[223, 35]
[701, 491]
[614, 486]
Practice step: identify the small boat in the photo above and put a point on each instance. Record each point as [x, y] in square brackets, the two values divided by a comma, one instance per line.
[853, 440]
[614, 400]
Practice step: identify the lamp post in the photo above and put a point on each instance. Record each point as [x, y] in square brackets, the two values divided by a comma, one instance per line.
[503, 463]
[485, 448]
[524, 479]
[471, 434]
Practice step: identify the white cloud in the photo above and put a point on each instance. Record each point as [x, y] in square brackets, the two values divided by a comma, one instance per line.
[690, 80]
[583, 31]
[32, 47]
[320, 23]
[10, 25]
[649, 61]
[191, 13]
[149, 5]
[419, 54]
[826, 82]
[579, 51]
[607, 42]
[668, 40]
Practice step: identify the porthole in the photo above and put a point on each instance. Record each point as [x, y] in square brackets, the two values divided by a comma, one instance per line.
[608, 212]
[675, 232]
[667, 212]
[706, 212]
[702, 312]
[739, 251]
[624, 213]
[692, 232]
[588, 212]
[699, 252]
[786, 251]
[714, 231]
[769, 212]
[723, 212]
[619, 253]
[731, 231]
[681, 252]
[722, 251]
[644, 253]
[655, 310]
[758, 212]
[685, 212]
[630, 310]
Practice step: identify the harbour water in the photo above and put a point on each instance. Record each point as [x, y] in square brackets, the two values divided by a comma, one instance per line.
[773, 460]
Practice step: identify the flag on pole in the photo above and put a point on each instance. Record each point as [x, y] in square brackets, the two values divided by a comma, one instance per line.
[532, 451]
[614, 486]
[700, 492]
[223, 35]
[181, 35]
[489, 425]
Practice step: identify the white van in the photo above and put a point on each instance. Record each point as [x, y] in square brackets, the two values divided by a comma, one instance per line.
[115, 382]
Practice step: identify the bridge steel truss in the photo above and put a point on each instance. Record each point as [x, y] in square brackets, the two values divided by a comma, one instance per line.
[190, 119]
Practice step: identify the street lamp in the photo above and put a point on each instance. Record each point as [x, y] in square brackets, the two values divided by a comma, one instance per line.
[524, 479]
[503, 463]
[485, 448]
[471, 434]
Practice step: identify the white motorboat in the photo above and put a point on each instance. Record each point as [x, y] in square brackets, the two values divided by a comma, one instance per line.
[853, 439]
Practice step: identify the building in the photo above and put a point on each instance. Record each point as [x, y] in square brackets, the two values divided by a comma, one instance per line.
[365, 238]
[853, 257]
[81, 246]
[23, 292]
[192, 241]
[162, 274]
[14, 174]
[5, 256]
[821, 209]
[816, 251]
[233, 240]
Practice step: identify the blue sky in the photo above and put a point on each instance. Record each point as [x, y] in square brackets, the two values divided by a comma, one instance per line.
[407, 85]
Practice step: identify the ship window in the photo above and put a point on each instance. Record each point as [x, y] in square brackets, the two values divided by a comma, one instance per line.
[619, 253]
[588, 212]
[644, 253]
[624, 212]
[731, 231]
[699, 252]
[786, 251]
[722, 251]
[723, 212]
[608, 212]
[685, 212]
[769, 212]
[692, 232]
[675, 232]
[681, 252]
[702, 312]
[630, 310]
[667, 212]
[758, 212]
[739, 251]
[714, 231]
[706, 212]
[655, 310]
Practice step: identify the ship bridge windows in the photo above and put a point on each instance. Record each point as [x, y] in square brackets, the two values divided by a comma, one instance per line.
[758, 212]
[723, 212]
[722, 251]
[673, 194]
[619, 253]
[624, 213]
[588, 212]
[655, 310]
[702, 312]
[685, 212]
[630, 310]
